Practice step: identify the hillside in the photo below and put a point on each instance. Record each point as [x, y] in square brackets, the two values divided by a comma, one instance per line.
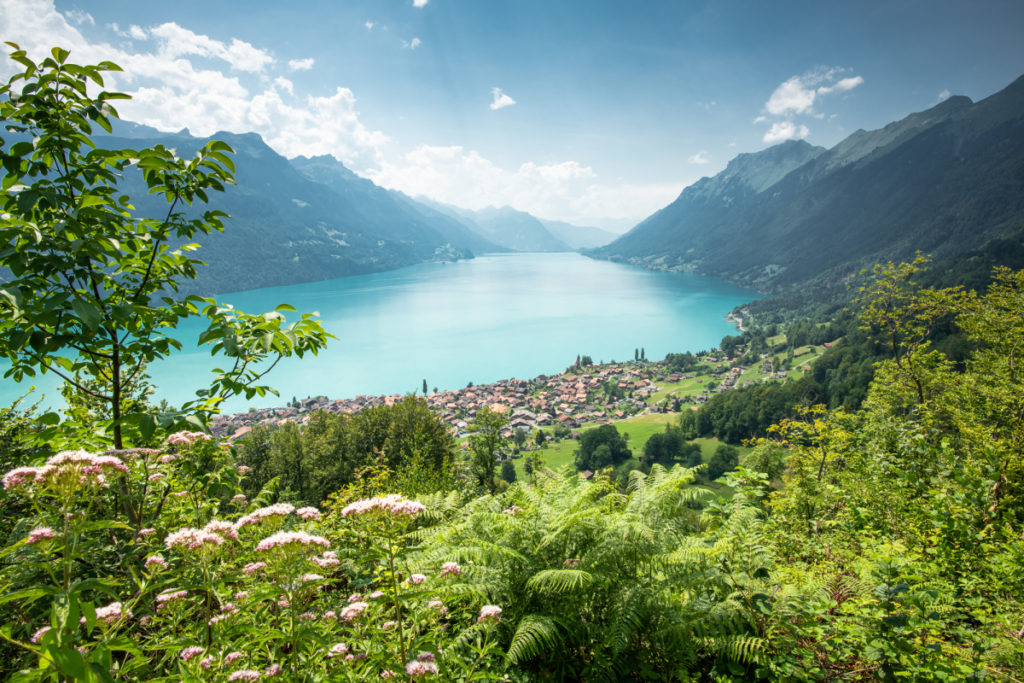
[513, 230]
[304, 220]
[943, 181]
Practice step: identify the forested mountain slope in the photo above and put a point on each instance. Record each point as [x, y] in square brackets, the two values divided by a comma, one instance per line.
[943, 181]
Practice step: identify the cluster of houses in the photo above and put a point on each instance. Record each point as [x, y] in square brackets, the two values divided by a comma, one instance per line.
[570, 399]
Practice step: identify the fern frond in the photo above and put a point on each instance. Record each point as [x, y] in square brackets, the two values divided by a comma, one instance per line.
[560, 581]
[535, 635]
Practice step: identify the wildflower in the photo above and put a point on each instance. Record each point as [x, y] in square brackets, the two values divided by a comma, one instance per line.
[20, 476]
[238, 499]
[189, 538]
[165, 459]
[225, 529]
[512, 510]
[241, 595]
[330, 614]
[271, 511]
[377, 594]
[244, 675]
[190, 652]
[310, 578]
[417, 579]
[272, 670]
[572, 563]
[425, 657]
[243, 469]
[489, 612]
[354, 610]
[388, 673]
[179, 494]
[417, 668]
[231, 657]
[148, 531]
[308, 513]
[307, 616]
[282, 603]
[156, 477]
[388, 625]
[291, 538]
[439, 606]
[253, 567]
[208, 662]
[112, 613]
[328, 559]
[354, 598]
[337, 650]
[171, 596]
[39, 534]
[126, 454]
[451, 568]
[186, 438]
[393, 503]
[38, 635]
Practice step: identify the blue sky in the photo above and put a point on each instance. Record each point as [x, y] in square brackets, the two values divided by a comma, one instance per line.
[594, 112]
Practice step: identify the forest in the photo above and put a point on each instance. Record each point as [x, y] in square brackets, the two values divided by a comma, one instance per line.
[877, 537]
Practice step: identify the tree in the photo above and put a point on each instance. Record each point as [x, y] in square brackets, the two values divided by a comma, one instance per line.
[424, 387]
[724, 460]
[508, 471]
[486, 444]
[591, 456]
[92, 292]
[539, 438]
[636, 355]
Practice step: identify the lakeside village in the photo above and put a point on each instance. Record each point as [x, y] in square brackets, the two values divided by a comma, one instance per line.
[585, 394]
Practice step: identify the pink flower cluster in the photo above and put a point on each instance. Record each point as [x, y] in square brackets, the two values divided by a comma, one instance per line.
[328, 559]
[354, 610]
[515, 509]
[67, 467]
[451, 568]
[38, 635]
[392, 503]
[190, 653]
[111, 613]
[273, 670]
[337, 650]
[155, 561]
[417, 579]
[171, 596]
[308, 513]
[418, 668]
[244, 675]
[489, 612]
[232, 656]
[40, 534]
[186, 438]
[283, 539]
[126, 454]
[253, 567]
[189, 538]
[222, 528]
[257, 516]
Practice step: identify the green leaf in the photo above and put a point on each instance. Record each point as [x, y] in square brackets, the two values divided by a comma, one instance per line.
[88, 314]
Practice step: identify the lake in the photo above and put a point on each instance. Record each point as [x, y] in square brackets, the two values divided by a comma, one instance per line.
[481, 320]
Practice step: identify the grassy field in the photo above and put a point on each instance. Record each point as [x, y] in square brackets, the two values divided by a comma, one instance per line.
[640, 428]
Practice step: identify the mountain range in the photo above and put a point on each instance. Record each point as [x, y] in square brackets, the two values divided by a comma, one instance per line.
[943, 181]
[308, 219]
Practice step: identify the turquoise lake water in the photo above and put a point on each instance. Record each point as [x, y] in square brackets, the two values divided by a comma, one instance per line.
[481, 320]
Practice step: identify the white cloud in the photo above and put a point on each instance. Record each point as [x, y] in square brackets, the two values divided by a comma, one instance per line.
[792, 97]
[176, 41]
[501, 100]
[80, 17]
[841, 86]
[301, 64]
[944, 95]
[420, 3]
[561, 191]
[412, 44]
[137, 33]
[797, 96]
[700, 157]
[786, 130]
[284, 84]
[369, 25]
